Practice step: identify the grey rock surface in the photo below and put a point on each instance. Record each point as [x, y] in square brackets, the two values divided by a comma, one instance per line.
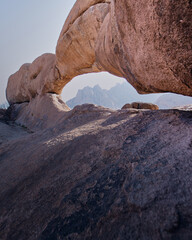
[99, 174]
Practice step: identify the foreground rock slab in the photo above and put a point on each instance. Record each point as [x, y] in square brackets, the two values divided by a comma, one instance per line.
[99, 174]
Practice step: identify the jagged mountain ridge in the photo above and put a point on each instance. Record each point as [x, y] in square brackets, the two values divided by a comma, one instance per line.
[95, 95]
[124, 93]
[113, 98]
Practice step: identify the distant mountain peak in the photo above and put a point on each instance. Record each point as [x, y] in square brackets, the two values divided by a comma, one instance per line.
[123, 93]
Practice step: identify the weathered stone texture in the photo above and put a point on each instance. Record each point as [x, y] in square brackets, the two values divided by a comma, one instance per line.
[98, 174]
[147, 42]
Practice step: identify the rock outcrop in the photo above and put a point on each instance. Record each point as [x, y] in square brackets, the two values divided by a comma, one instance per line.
[97, 174]
[75, 55]
[91, 172]
[141, 105]
[41, 112]
[147, 42]
[75, 50]
[32, 79]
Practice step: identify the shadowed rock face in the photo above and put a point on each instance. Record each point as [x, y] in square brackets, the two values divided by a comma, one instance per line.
[147, 42]
[97, 174]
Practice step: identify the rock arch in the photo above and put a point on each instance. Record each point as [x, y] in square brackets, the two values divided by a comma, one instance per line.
[147, 42]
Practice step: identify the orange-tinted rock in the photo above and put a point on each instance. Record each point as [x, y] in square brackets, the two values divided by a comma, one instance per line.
[127, 106]
[147, 42]
[75, 50]
[75, 55]
[32, 79]
[141, 105]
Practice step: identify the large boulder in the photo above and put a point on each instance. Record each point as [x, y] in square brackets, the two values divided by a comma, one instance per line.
[150, 43]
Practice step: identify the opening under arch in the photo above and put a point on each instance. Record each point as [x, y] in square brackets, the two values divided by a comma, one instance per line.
[103, 89]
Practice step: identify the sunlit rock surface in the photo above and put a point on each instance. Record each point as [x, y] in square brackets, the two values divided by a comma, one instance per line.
[147, 42]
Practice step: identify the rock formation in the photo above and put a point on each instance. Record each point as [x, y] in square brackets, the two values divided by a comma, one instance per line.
[91, 172]
[147, 42]
[75, 54]
[41, 112]
[32, 79]
[97, 174]
[140, 105]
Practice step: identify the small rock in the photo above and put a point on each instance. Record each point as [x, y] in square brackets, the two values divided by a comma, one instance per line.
[141, 105]
[126, 106]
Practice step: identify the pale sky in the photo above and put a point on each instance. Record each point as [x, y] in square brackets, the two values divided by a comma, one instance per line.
[30, 28]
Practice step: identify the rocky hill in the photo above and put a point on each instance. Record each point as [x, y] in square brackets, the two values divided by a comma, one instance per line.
[94, 173]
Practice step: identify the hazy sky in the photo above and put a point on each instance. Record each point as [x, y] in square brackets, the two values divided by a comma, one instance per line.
[30, 28]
